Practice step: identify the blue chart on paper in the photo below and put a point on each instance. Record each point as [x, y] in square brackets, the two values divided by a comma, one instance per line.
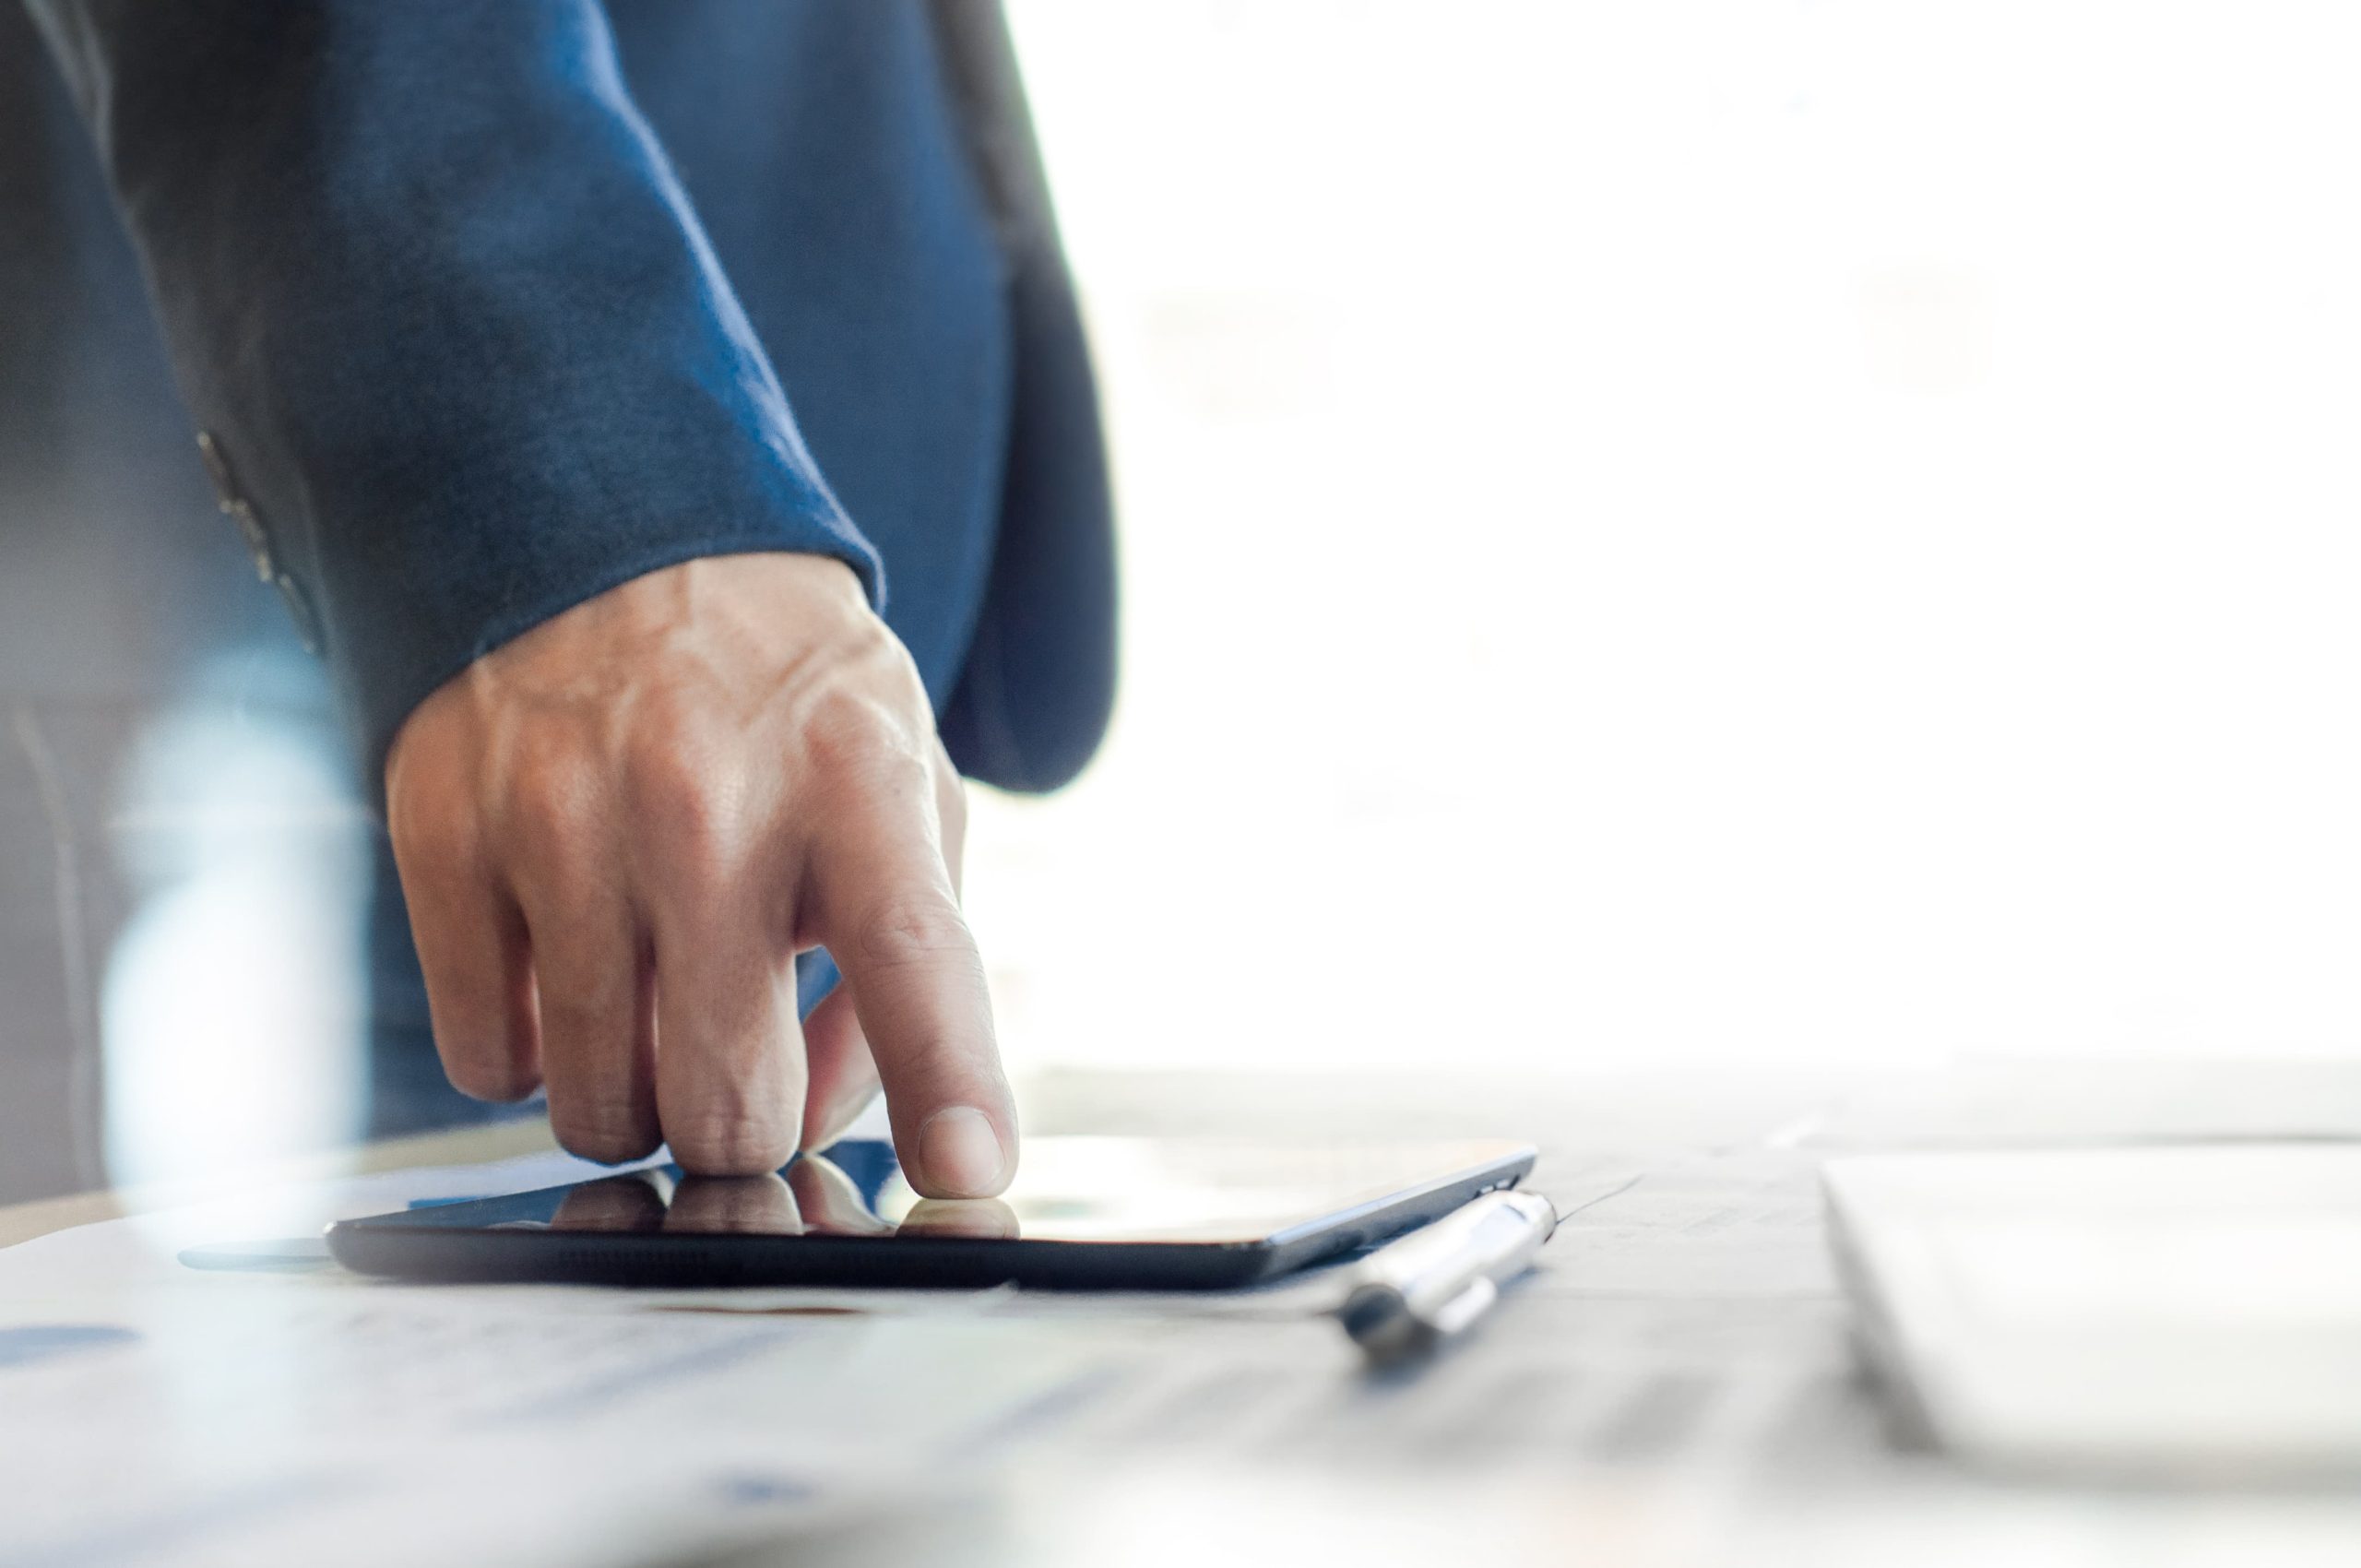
[296, 1255]
[32, 1342]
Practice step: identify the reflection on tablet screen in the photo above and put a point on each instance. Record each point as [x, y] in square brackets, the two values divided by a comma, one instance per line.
[1069, 1188]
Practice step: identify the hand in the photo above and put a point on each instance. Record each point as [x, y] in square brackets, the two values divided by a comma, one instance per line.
[615, 834]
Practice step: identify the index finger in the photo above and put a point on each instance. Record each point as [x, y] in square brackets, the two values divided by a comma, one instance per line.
[893, 923]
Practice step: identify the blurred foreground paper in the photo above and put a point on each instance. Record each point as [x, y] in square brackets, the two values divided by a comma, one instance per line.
[261, 1416]
[258, 1424]
[2158, 1313]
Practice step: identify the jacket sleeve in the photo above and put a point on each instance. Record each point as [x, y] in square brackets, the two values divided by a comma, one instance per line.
[459, 351]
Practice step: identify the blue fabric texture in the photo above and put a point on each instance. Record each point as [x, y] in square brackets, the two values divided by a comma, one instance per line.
[487, 307]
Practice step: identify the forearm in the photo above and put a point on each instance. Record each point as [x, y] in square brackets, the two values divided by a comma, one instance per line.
[431, 286]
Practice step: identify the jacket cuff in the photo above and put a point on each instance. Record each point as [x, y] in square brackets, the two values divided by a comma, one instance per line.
[395, 629]
[462, 351]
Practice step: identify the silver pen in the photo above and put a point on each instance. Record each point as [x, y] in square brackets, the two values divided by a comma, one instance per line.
[1416, 1293]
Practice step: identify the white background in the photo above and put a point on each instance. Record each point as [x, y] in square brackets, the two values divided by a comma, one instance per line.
[1691, 532]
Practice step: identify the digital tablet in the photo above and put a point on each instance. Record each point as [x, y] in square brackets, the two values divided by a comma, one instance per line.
[1126, 1214]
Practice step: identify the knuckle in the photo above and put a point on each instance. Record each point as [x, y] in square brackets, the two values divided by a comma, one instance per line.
[608, 1133]
[553, 793]
[694, 800]
[491, 1077]
[853, 734]
[868, 650]
[731, 1141]
[539, 757]
[739, 1117]
[896, 668]
[914, 929]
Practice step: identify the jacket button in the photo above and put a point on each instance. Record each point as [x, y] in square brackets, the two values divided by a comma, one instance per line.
[235, 506]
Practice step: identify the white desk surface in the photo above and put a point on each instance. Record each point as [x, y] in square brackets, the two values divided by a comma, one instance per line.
[1674, 1385]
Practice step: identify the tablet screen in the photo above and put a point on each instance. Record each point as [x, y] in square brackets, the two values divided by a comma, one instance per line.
[1068, 1189]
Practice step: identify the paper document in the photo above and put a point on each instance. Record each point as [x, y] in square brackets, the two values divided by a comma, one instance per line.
[156, 1412]
[2172, 1311]
[201, 1385]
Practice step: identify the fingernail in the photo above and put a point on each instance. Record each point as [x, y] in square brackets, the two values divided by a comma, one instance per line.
[960, 1154]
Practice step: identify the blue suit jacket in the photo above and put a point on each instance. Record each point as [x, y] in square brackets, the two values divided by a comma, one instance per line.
[485, 307]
